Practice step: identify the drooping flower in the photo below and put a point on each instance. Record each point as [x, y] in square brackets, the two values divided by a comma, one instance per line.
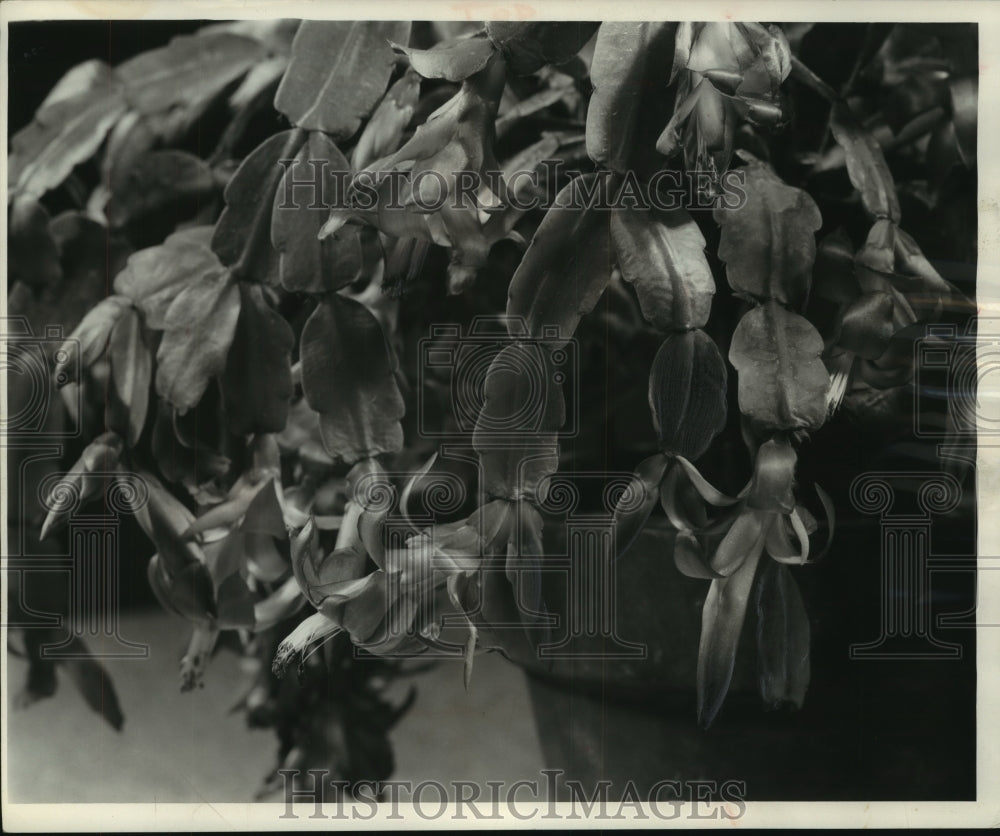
[392, 598]
[726, 73]
[764, 517]
[880, 291]
[722, 539]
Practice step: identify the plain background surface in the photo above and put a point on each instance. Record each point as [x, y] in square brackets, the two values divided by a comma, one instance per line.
[178, 747]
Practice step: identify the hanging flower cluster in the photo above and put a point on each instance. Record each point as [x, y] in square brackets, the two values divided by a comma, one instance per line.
[443, 184]
[886, 287]
[725, 73]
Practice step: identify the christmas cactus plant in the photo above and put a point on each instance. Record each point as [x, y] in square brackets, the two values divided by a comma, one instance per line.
[290, 209]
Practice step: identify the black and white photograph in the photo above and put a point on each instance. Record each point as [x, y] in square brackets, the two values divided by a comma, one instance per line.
[522, 416]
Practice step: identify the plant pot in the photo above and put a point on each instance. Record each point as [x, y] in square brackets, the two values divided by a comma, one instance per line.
[619, 704]
[868, 730]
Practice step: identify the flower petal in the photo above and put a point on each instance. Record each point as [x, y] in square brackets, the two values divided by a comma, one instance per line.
[404, 497]
[831, 518]
[455, 590]
[524, 558]
[313, 629]
[721, 624]
[791, 556]
[779, 544]
[710, 494]
[637, 502]
[689, 557]
[671, 503]
[283, 603]
[743, 541]
[782, 638]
